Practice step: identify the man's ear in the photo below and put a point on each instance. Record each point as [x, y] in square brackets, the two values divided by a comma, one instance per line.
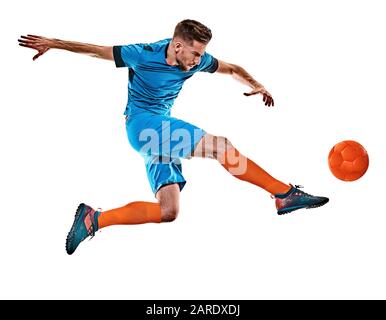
[178, 46]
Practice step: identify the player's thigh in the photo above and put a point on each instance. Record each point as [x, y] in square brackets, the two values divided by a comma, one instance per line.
[163, 135]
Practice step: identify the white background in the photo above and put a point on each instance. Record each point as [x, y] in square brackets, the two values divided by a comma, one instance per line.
[63, 142]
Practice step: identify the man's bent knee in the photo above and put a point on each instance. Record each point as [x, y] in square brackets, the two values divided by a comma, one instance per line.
[169, 214]
[222, 145]
[168, 197]
[212, 147]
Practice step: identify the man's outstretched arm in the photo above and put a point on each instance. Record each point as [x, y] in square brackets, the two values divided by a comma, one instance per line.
[243, 76]
[42, 45]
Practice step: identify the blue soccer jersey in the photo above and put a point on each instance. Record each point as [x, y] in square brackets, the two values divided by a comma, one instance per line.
[153, 84]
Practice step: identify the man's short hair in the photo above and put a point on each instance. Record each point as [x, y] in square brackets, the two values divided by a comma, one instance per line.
[190, 30]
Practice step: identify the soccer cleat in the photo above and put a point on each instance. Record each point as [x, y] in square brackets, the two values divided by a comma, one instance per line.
[85, 224]
[296, 199]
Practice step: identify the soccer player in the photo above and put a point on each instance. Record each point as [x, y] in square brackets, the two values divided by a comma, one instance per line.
[157, 72]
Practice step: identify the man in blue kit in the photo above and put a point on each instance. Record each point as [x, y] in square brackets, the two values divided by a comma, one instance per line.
[157, 72]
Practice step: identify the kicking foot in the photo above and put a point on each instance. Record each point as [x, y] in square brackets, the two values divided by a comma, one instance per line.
[296, 199]
[85, 224]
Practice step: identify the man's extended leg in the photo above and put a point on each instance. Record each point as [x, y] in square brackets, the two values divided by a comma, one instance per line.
[221, 149]
[288, 197]
[88, 221]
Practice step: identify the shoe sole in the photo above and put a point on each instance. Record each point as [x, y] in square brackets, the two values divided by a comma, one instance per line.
[69, 238]
[289, 210]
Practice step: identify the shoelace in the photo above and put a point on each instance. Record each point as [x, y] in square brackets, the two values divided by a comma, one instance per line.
[91, 230]
[297, 186]
[303, 193]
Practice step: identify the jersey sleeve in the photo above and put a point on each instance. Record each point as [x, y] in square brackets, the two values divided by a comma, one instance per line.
[127, 56]
[208, 63]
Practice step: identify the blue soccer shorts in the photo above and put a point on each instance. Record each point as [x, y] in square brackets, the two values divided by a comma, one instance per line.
[162, 141]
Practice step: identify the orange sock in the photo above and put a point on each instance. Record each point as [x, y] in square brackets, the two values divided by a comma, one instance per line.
[245, 169]
[133, 213]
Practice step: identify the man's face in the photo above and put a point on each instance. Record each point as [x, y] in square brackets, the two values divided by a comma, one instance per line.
[188, 55]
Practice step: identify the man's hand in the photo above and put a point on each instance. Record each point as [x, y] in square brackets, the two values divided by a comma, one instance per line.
[243, 76]
[267, 98]
[41, 44]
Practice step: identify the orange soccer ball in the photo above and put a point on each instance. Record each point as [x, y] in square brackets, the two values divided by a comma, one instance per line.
[348, 160]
